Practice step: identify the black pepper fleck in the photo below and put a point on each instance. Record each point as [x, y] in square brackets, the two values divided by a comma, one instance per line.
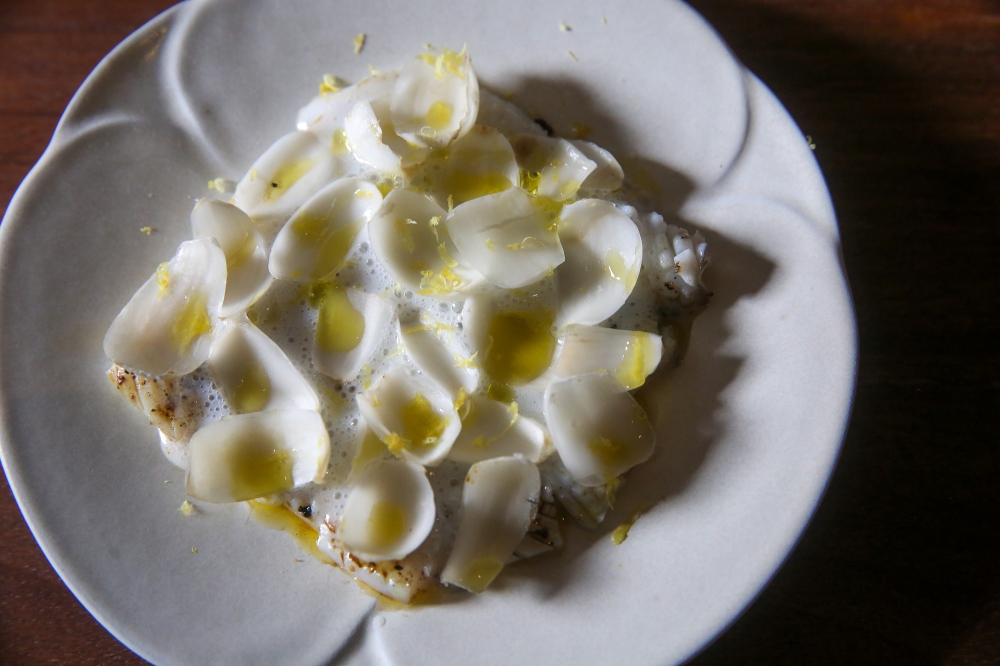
[545, 126]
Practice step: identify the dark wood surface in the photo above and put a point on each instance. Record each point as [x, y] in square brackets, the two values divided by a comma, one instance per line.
[901, 564]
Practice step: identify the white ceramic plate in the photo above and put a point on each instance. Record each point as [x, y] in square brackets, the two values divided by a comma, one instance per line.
[750, 425]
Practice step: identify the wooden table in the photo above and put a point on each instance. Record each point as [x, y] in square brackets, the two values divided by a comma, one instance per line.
[901, 563]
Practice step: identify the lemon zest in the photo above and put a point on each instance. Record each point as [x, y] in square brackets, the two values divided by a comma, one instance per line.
[331, 84]
[460, 399]
[443, 282]
[485, 443]
[162, 279]
[527, 243]
[395, 443]
[447, 61]
[469, 362]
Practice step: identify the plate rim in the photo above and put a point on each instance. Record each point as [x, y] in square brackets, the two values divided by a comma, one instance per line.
[62, 135]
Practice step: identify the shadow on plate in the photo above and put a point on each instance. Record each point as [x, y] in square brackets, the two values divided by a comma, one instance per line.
[686, 411]
[899, 564]
[687, 418]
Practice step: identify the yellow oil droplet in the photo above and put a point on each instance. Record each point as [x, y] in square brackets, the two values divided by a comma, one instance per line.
[529, 180]
[615, 264]
[241, 252]
[286, 176]
[371, 449]
[619, 272]
[422, 425]
[332, 241]
[569, 188]
[309, 228]
[500, 392]
[316, 293]
[611, 490]
[386, 524]
[621, 532]
[162, 279]
[551, 208]
[282, 518]
[334, 249]
[259, 467]
[251, 391]
[520, 346]
[609, 452]
[191, 322]
[404, 229]
[264, 316]
[465, 186]
[336, 401]
[338, 144]
[471, 416]
[340, 326]
[439, 115]
[429, 596]
[479, 573]
[631, 373]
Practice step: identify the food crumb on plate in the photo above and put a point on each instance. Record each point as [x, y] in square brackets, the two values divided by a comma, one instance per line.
[218, 184]
[331, 84]
[359, 42]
